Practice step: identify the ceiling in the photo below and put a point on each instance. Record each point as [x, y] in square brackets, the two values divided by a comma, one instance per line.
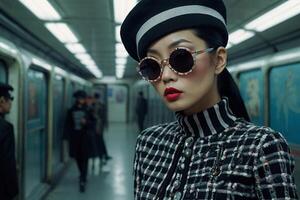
[93, 23]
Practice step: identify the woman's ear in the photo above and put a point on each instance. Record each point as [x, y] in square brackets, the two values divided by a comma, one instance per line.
[221, 60]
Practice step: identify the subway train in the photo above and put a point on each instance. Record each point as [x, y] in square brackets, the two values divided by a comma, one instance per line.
[42, 93]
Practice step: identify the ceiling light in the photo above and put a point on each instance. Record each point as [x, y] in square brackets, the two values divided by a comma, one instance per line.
[240, 36]
[8, 48]
[118, 36]
[39, 62]
[88, 62]
[75, 48]
[83, 56]
[62, 32]
[122, 8]
[120, 67]
[277, 15]
[42, 9]
[229, 45]
[119, 74]
[121, 61]
[120, 50]
[95, 71]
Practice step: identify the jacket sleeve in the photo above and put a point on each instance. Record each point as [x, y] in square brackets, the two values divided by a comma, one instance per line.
[8, 171]
[274, 168]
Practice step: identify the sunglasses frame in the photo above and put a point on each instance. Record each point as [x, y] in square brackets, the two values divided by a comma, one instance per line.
[166, 62]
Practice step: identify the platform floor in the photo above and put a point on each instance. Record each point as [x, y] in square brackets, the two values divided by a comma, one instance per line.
[115, 180]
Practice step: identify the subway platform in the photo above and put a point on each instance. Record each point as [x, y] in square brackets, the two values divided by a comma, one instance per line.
[114, 181]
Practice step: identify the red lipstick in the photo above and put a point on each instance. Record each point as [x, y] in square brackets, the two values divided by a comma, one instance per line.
[172, 94]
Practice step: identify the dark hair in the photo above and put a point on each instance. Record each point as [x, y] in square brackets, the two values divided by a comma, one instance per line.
[226, 85]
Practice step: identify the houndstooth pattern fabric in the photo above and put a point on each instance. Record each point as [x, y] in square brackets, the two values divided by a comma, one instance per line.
[212, 155]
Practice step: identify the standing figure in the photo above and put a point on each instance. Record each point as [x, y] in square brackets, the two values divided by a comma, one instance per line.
[8, 171]
[141, 110]
[101, 124]
[211, 151]
[76, 133]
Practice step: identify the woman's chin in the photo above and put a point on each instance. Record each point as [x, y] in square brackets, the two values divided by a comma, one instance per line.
[175, 107]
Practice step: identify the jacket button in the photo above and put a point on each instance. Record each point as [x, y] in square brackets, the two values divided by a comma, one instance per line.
[176, 184]
[177, 196]
[188, 142]
[187, 153]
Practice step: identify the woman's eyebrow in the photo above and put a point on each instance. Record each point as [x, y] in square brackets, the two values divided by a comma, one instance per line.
[176, 43]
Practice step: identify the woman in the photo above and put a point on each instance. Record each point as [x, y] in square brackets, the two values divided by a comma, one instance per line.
[211, 151]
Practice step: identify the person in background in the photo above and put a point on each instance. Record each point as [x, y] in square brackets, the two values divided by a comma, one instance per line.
[212, 150]
[93, 163]
[8, 171]
[141, 110]
[101, 124]
[76, 133]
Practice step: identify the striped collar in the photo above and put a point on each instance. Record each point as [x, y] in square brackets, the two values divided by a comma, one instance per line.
[208, 122]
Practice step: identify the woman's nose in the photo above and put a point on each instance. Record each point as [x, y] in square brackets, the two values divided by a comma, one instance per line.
[168, 74]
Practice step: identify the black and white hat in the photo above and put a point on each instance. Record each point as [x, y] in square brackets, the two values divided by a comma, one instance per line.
[150, 20]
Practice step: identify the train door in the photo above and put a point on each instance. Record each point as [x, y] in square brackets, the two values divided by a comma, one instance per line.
[117, 103]
[36, 125]
[58, 120]
[3, 72]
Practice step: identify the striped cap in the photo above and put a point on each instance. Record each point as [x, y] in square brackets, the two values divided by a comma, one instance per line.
[150, 20]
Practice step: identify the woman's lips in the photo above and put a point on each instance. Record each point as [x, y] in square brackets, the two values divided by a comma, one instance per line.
[172, 94]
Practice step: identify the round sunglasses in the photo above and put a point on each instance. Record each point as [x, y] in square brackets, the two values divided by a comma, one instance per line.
[181, 61]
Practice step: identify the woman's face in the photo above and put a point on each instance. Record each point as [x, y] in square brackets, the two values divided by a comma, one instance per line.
[195, 91]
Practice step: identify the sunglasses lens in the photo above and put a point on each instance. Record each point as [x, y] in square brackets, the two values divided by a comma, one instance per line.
[181, 60]
[149, 69]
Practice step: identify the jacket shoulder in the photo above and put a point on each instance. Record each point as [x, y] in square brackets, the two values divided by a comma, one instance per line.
[157, 132]
[262, 134]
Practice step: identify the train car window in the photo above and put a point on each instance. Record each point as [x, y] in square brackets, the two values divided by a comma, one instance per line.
[3, 72]
[284, 101]
[252, 90]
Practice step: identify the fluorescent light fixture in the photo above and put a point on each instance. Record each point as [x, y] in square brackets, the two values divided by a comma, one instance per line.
[60, 71]
[119, 74]
[40, 63]
[229, 45]
[95, 70]
[62, 32]
[118, 36]
[83, 56]
[122, 8]
[240, 36]
[88, 62]
[120, 67]
[42, 9]
[75, 48]
[121, 61]
[275, 16]
[8, 48]
[120, 50]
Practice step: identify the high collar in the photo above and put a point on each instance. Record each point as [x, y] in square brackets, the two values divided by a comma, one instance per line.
[208, 122]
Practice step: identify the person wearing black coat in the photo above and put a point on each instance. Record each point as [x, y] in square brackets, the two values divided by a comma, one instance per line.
[141, 110]
[8, 171]
[76, 132]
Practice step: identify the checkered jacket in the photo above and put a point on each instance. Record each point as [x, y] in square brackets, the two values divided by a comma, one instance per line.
[213, 155]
